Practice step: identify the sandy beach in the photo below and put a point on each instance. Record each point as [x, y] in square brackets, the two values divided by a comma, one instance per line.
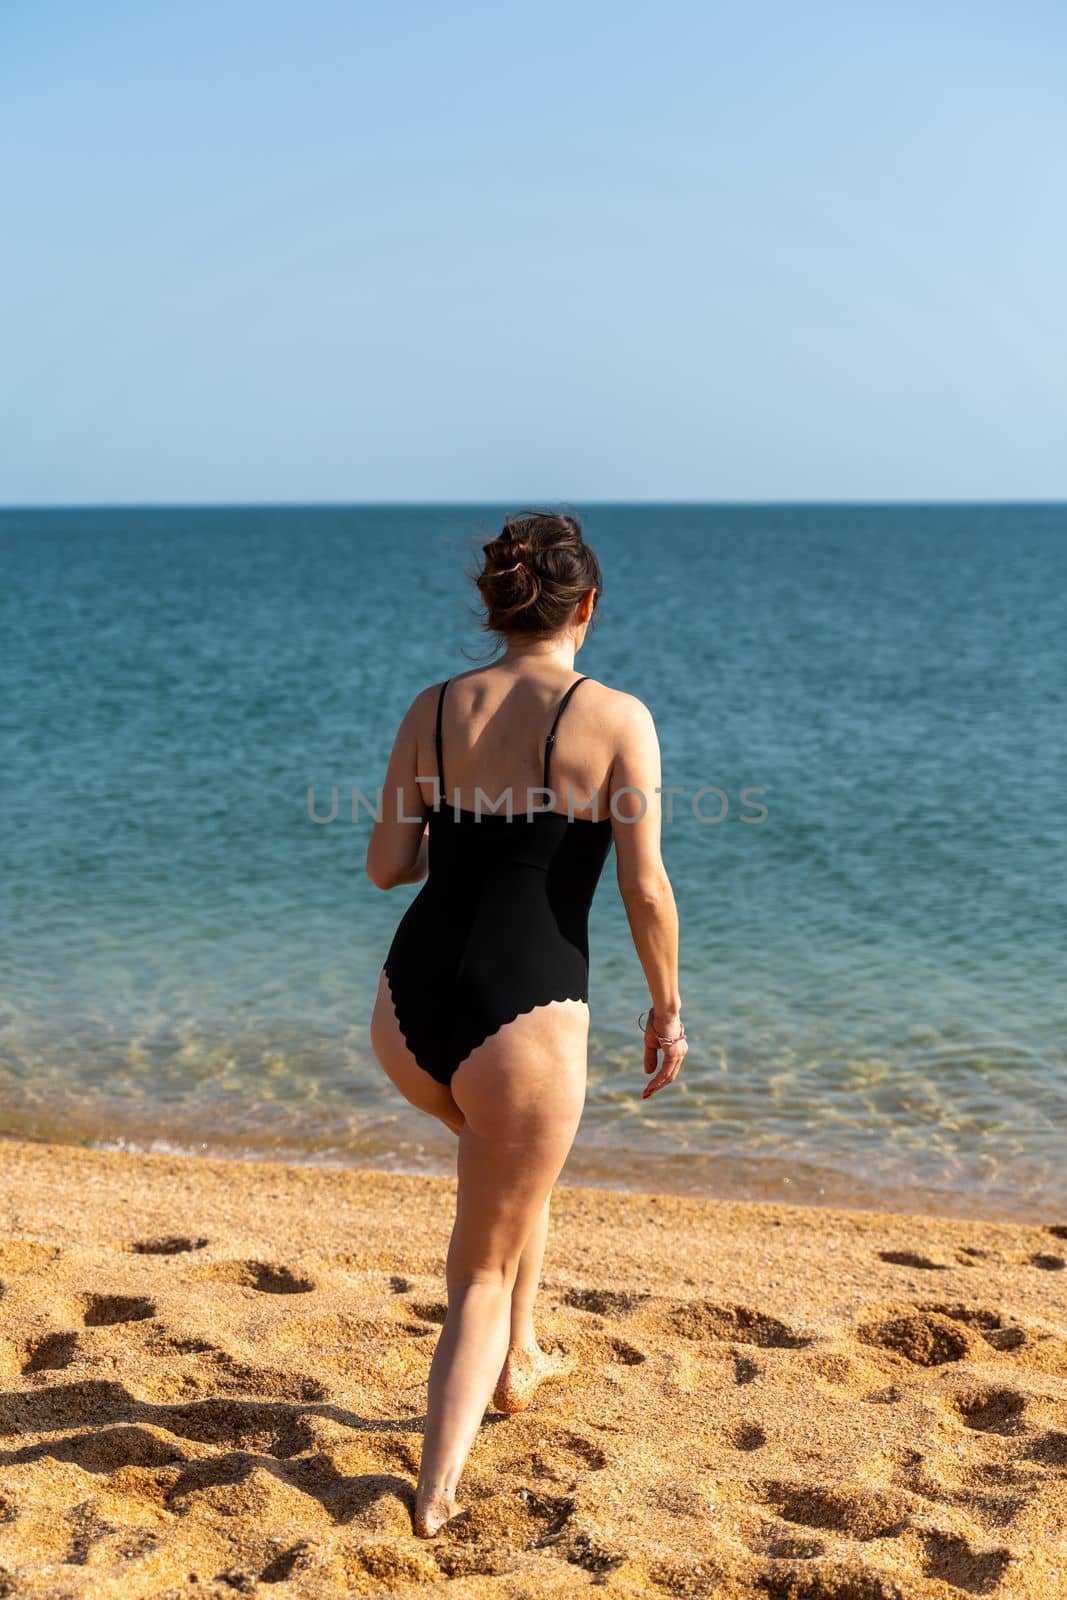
[213, 1383]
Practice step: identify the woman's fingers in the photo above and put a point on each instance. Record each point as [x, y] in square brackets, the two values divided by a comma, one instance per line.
[659, 1082]
[673, 1056]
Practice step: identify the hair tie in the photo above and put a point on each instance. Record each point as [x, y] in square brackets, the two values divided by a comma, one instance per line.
[501, 570]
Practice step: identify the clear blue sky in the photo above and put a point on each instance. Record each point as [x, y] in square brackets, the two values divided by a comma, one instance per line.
[339, 251]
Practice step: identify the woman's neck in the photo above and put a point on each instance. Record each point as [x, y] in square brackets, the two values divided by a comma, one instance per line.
[562, 650]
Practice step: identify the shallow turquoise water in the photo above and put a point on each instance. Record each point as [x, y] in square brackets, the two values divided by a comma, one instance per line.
[873, 976]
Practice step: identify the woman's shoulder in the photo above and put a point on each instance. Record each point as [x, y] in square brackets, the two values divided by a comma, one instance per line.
[428, 699]
[429, 695]
[621, 710]
[422, 708]
[615, 710]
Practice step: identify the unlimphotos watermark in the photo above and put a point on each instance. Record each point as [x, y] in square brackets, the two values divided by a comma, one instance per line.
[708, 804]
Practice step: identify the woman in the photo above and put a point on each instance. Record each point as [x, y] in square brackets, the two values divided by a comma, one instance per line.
[510, 783]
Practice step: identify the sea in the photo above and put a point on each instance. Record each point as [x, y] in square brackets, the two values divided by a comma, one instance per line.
[862, 711]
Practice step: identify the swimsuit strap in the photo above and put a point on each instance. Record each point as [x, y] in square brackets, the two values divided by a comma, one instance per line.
[550, 741]
[437, 737]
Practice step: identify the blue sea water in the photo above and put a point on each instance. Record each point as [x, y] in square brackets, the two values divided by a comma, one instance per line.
[873, 975]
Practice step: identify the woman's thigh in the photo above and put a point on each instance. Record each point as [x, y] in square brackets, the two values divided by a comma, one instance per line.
[521, 1094]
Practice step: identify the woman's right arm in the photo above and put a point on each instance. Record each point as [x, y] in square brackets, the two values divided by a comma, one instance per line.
[397, 851]
[645, 887]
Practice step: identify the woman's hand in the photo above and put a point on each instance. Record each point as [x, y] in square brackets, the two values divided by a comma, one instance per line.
[663, 1025]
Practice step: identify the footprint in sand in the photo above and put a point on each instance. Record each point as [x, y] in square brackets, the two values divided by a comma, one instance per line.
[488, 1537]
[746, 1436]
[992, 1410]
[829, 1581]
[925, 1338]
[482, 1539]
[50, 1353]
[555, 1452]
[102, 1310]
[267, 1426]
[909, 1258]
[395, 1451]
[170, 1245]
[857, 1513]
[187, 1346]
[990, 1325]
[219, 1371]
[573, 1543]
[1047, 1263]
[430, 1310]
[968, 1255]
[281, 1567]
[263, 1276]
[239, 1579]
[604, 1302]
[948, 1557]
[628, 1354]
[703, 1319]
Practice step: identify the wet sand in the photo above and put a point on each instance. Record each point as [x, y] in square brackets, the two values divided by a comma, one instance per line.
[212, 1381]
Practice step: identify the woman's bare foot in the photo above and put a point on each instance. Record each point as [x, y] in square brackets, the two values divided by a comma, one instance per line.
[431, 1514]
[522, 1372]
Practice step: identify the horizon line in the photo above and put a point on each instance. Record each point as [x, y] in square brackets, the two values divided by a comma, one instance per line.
[533, 503]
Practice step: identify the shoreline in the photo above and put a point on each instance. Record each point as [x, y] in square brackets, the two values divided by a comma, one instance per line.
[695, 1175]
[217, 1368]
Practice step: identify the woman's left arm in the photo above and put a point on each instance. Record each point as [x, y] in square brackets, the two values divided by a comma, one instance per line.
[397, 852]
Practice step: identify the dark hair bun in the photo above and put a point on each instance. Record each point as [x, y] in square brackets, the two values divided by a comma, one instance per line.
[535, 573]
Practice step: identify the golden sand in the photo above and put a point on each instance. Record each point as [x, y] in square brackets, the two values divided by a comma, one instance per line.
[212, 1383]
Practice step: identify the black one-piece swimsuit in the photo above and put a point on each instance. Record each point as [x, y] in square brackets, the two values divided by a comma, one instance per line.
[500, 926]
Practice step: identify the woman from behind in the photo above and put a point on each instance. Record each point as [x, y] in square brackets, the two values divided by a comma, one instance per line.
[506, 788]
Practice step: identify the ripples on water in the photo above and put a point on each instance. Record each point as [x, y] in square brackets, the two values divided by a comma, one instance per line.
[873, 977]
